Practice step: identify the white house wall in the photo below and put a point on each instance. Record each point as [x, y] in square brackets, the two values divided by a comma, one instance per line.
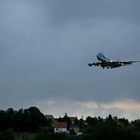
[60, 130]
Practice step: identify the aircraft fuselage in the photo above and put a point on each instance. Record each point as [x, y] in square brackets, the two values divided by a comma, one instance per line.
[102, 58]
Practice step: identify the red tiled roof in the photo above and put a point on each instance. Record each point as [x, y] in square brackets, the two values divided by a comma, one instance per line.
[60, 125]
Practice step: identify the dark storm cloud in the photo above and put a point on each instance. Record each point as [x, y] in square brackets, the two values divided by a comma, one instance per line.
[45, 46]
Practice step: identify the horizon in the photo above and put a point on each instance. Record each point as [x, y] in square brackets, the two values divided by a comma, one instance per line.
[69, 116]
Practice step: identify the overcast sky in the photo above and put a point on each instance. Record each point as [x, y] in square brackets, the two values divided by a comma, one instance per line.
[45, 46]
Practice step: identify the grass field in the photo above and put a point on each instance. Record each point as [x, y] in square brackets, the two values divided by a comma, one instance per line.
[24, 136]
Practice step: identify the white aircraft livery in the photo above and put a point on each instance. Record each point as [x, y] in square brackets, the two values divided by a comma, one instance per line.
[105, 62]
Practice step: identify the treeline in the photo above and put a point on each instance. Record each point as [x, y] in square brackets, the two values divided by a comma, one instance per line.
[112, 128]
[23, 120]
[35, 123]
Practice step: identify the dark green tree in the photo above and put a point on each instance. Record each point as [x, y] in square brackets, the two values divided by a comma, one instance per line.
[7, 135]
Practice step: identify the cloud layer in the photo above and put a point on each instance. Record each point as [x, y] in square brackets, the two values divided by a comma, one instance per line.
[125, 108]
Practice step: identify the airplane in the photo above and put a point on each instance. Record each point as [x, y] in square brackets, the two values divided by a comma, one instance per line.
[105, 62]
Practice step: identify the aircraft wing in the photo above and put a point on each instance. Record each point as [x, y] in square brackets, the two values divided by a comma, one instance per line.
[95, 64]
[115, 64]
[127, 62]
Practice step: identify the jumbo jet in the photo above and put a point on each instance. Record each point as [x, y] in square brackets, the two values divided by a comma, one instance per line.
[105, 62]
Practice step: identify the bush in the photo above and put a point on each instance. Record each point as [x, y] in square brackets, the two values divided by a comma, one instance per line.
[43, 136]
[7, 135]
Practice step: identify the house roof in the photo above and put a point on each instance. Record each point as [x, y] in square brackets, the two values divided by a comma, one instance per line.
[60, 125]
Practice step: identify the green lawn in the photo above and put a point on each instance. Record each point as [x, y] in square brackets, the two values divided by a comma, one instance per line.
[24, 136]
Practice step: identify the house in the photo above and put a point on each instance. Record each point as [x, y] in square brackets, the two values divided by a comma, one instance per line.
[60, 127]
